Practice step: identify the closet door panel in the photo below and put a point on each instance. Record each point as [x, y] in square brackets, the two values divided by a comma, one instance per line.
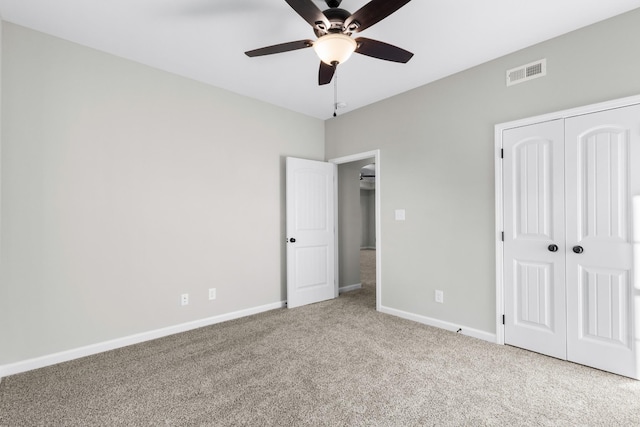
[599, 151]
[534, 220]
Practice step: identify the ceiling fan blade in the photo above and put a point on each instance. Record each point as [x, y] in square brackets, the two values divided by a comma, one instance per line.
[326, 73]
[372, 13]
[310, 13]
[381, 50]
[279, 48]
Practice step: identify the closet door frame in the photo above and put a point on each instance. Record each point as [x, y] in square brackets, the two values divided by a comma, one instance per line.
[499, 223]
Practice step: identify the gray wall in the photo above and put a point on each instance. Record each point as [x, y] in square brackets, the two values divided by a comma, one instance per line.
[437, 162]
[368, 213]
[124, 187]
[349, 222]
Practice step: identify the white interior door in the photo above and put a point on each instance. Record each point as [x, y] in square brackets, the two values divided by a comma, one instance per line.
[534, 241]
[603, 172]
[310, 231]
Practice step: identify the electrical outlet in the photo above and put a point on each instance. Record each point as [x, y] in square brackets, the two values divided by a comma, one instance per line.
[439, 296]
[184, 299]
[212, 293]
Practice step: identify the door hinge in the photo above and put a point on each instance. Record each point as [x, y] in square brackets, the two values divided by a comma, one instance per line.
[502, 153]
[502, 237]
[503, 319]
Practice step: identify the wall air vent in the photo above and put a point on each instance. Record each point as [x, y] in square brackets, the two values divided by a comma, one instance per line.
[526, 72]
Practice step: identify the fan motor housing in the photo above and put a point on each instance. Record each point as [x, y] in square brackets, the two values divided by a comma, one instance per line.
[336, 17]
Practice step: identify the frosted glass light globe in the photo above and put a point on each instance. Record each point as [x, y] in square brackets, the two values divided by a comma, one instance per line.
[335, 47]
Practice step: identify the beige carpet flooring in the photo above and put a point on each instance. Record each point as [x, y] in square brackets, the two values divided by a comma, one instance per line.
[335, 363]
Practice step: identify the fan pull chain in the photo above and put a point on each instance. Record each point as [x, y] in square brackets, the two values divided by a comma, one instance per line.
[335, 92]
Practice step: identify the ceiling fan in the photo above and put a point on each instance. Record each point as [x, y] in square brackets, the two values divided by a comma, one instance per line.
[334, 28]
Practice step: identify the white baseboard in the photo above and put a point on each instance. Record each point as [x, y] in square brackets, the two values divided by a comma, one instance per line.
[475, 333]
[64, 356]
[349, 287]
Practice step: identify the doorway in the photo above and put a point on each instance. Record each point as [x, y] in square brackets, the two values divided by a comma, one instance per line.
[346, 232]
[356, 222]
[367, 252]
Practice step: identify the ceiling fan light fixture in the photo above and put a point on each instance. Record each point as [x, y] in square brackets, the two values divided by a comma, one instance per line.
[334, 48]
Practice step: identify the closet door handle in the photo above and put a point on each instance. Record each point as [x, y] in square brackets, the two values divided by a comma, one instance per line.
[578, 249]
[553, 248]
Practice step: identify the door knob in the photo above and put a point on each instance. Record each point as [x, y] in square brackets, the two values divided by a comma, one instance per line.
[292, 240]
[578, 249]
[553, 248]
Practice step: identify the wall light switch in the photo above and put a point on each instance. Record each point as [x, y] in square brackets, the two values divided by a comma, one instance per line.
[212, 293]
[400, 215]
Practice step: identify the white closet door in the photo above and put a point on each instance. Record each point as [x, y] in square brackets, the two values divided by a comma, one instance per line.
[602, 174]
[534, 238]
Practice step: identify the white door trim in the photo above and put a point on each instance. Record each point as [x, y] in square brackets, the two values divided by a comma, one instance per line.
[499, 128]
[375, 154]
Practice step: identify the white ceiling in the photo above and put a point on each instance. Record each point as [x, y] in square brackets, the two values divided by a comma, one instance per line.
[206, 39]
